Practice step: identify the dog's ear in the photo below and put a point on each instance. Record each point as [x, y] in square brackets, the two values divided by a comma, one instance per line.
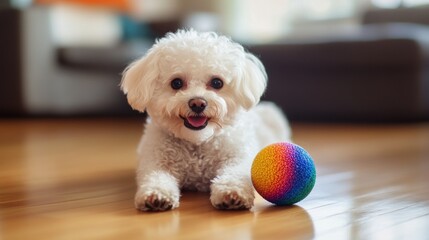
[139, 81]
[252, 82]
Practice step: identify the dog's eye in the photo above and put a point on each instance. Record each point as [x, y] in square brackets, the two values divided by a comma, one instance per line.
[216, 83]
[176, 84]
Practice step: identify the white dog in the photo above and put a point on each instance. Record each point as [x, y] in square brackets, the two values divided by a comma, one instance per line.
[200, 91]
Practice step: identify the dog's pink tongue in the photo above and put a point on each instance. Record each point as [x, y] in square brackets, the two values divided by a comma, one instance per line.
[197, 121]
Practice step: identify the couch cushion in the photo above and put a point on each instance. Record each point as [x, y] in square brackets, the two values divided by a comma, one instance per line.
[377, 75]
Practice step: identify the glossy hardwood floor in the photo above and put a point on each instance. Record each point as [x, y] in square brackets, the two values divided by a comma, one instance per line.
[74, 179]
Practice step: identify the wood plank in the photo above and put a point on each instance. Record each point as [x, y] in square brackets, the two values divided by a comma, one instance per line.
[74, 179]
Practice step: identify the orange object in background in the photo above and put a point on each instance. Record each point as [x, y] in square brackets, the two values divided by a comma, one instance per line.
[121, 5]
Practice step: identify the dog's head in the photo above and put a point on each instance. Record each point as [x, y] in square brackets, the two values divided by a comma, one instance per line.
[194, 84]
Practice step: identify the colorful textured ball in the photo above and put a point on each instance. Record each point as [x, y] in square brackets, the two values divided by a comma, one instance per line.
[283, 173]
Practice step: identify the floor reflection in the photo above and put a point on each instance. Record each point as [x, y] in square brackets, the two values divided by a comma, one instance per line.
[282, 221]
[196, 213]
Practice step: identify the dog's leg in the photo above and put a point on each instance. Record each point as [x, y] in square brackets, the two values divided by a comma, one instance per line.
[232, 190]
[157, 191]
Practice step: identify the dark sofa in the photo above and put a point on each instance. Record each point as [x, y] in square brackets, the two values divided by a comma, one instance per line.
[378, 72]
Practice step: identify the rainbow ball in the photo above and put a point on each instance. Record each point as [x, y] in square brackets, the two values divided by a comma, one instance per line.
[283, 173]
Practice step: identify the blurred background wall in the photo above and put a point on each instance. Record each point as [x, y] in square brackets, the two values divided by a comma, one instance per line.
[327, 60]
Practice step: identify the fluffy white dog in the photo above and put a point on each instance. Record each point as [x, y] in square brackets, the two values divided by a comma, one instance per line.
[200, 91]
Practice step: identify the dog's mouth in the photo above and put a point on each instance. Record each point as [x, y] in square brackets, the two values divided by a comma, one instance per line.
[196, 122]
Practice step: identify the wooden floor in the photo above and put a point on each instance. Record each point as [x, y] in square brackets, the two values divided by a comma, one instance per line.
[74, 179]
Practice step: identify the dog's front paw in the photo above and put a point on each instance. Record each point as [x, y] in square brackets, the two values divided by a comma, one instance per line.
[225, 199]
[232, 201]
[155, 201]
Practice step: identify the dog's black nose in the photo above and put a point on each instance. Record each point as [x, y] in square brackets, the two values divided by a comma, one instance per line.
[197, 104]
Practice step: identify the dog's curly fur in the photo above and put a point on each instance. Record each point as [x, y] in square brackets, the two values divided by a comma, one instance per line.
[201, 92]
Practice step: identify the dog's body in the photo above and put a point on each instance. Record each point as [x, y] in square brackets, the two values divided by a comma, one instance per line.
[200, 90]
